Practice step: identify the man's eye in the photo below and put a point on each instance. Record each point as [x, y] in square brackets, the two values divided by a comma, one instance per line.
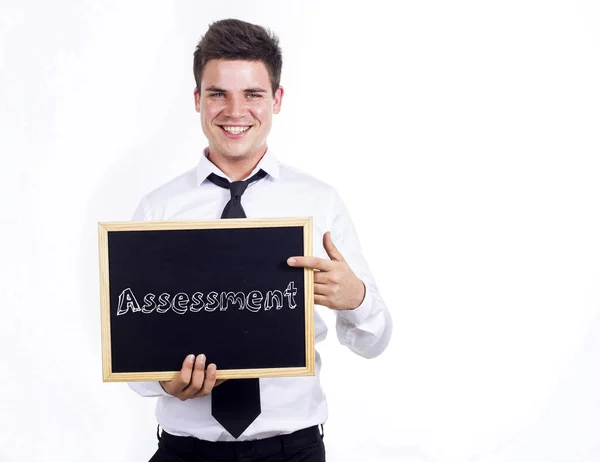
[217, 94]
[254, 95]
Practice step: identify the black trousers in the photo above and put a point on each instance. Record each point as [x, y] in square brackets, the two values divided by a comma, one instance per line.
[302, 446]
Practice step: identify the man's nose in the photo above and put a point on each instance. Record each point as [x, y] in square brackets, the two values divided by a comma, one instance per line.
[236, 107]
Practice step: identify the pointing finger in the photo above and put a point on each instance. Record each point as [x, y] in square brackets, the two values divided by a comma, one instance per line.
[311, 262]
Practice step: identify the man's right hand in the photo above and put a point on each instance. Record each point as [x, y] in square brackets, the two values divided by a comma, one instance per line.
[193, 381]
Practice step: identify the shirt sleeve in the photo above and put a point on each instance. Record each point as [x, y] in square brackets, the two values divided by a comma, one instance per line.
[367, 329]
[145, 388]
[141, 212]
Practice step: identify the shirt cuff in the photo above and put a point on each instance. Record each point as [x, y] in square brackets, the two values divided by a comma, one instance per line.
[148, 388]
[360, 313]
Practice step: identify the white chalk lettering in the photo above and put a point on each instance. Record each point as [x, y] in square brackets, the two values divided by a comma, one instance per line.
[289, 293]
[274, 295]
[234, 297]
[197, 302]
[128, 299]
[164, 306]
[181, 303]
[149, 303]
[253, 301]
[213, 301]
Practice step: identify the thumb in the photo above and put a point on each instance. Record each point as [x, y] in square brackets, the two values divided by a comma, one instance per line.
[331, 249]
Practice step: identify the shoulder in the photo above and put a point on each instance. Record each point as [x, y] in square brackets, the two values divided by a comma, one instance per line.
[153, 203]
[299, 178]
[181, 184]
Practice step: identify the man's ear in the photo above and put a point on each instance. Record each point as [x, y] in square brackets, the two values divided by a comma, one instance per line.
[197, 99]
[277, 97]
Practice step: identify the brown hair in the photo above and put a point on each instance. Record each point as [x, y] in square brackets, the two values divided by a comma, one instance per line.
[239, 40]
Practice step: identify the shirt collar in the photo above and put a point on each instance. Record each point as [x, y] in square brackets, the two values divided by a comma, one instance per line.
[268, 163]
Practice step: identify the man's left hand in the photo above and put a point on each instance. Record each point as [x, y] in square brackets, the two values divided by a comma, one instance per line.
[336, 285]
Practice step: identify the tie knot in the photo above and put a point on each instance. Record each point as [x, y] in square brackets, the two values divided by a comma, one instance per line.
[233, 208]
[237, 188]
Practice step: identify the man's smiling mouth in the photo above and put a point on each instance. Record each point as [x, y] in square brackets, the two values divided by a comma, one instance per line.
[235, 129]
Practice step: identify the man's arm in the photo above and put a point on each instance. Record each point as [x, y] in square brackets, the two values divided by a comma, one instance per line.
[345, 284]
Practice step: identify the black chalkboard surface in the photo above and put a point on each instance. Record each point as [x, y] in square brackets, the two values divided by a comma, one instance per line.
[219, 287]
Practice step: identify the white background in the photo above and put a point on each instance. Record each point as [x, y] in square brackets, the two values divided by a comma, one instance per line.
[464, 138]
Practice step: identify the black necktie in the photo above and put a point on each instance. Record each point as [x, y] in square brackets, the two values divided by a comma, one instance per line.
[236, 402]
[233, 208]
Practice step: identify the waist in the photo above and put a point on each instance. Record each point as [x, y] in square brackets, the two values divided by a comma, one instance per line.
[288, 404]
[188, 445]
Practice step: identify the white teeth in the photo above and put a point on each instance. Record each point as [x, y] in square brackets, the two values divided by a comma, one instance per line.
[235, 130]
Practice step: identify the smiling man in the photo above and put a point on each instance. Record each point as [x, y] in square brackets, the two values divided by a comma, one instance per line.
[236, 103]
[237, 68]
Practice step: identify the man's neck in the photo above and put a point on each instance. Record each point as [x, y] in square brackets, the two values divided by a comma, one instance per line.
[239, 168]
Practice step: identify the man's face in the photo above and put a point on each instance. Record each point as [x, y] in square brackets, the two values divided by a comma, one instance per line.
[236, 106]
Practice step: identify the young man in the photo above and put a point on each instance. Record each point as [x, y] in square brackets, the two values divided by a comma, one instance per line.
[237, 67]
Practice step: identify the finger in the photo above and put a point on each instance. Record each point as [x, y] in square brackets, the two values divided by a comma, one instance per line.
[330, 278]
[197, 378]
[331, 249]
[321, 300]
[217, 383]
[321, 277]
[209, 381]
[311, 262]
[183, 379]
[322, 289]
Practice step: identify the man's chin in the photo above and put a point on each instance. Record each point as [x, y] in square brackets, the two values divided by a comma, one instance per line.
[236, 153]
[233, 153]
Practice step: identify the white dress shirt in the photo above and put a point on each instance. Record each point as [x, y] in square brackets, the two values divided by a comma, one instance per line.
[288, 403]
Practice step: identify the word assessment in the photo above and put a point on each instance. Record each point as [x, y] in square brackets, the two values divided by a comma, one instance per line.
[181, 302]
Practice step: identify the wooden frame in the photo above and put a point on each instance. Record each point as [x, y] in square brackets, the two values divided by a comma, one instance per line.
[105, 227]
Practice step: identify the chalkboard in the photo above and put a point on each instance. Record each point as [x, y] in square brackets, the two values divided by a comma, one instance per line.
[218, 287]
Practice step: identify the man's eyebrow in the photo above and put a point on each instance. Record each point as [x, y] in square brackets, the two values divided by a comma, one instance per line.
[217, 89]
[247, 90]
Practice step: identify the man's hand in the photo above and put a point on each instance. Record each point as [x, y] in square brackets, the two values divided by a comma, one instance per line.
[193, 381]
[336, 286]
